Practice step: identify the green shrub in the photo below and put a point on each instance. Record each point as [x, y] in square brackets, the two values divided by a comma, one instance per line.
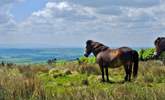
[89, 60]
[146, 54]
[55, 73]
[60, 63]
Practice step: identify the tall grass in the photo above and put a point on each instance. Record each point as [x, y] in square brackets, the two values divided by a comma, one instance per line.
[75, 81]
[15, 85]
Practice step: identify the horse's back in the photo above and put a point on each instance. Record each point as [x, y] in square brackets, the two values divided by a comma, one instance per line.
[111, 54]
[115, 57]
[125, 49]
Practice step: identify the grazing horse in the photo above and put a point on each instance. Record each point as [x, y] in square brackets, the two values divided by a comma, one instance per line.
[159, 45]
[113, 58]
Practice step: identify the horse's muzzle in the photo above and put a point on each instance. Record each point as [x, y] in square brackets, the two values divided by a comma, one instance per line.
[86, 55]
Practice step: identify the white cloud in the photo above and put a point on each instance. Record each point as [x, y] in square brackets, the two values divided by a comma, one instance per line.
[7, 22]
[133, 23]
[60, 6]
[65, 10]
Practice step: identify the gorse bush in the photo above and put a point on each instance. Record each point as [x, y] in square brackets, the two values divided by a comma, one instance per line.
[146, 54]
[89, 60]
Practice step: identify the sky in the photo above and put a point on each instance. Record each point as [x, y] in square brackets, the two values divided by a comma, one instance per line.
[69, 23]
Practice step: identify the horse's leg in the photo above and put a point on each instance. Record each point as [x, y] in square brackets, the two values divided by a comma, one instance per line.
[106, 70]
[126, 71]
[129, 71]
[102, 71]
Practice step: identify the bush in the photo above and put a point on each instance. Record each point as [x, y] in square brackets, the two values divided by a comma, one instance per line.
[146, 54]
[89, 60]
[55, 73]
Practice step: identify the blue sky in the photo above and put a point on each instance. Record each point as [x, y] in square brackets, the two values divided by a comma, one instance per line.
[69, 23]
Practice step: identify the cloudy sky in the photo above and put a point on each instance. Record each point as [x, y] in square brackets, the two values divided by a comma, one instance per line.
[69, 23]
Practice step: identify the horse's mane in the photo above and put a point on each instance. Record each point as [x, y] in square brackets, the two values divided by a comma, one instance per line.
[99, 46]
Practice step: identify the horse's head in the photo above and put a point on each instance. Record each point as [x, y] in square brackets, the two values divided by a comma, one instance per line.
[88, 48]
[157, 42]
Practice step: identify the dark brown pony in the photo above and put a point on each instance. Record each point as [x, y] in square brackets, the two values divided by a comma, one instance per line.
[113, 58]
[159, 45]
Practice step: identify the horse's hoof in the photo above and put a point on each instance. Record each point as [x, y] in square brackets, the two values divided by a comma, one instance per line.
[102, 81]
[127, 80]
[110, 81]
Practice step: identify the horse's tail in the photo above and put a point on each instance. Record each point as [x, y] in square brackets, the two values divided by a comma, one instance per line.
[136, 63]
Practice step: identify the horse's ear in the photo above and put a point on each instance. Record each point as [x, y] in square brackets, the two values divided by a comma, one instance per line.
[104, 48]
[89, 42]
[157, 40]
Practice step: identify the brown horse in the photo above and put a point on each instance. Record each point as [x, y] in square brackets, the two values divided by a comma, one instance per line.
[160, 46]
[113, 58]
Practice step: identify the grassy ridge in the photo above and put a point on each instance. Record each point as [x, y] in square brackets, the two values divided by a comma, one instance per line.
[79, 81]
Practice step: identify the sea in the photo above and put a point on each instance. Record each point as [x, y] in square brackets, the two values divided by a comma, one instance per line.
[39, 55]
[42, 55]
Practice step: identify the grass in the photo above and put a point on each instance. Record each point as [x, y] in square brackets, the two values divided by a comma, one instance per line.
[80, 81]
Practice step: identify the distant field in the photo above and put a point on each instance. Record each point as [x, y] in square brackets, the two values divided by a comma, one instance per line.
[41, 55]
[74, 81]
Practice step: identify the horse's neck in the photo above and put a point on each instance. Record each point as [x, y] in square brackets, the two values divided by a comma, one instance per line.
[95, 53]
[98, 50]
